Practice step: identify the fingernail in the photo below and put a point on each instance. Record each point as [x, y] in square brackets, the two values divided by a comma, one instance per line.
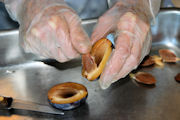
[85, 46]
[106, 81]
[103, 85]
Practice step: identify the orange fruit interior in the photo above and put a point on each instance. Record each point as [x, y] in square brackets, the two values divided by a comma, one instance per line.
[66, 93]
[95, 61]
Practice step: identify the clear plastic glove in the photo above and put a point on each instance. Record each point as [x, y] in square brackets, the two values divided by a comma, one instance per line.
[49, 28]
[130, 21]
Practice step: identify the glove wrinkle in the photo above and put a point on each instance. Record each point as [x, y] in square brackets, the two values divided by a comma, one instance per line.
[130, 21]
[49, 28]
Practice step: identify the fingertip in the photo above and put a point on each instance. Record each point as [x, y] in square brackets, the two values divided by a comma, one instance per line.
[94, 37]
[103, 84]
[112, 69]
[60, 56]
[80, 39]
[84, 46]
[104, 26]
[78, 36]
[106, 80]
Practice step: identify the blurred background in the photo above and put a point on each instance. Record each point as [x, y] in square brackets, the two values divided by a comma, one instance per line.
[88, 9]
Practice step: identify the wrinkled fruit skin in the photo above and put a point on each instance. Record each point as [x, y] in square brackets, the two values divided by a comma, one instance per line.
[94, 62]
[67, 96]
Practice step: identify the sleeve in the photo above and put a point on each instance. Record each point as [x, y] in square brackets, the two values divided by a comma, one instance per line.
[149, 7]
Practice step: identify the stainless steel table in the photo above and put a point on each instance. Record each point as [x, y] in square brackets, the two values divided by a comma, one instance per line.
[28, 77]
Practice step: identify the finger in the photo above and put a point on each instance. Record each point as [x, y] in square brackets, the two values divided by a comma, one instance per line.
[78, 36]
[108, 22]
[146, 45]
[60, 27]
[138, 53]
[122, 50]
[116, 61]
[104, 26]
[42, 49]
[141, 48]
[45, 39]
[131, 62]
[36, 40]
[60, 56]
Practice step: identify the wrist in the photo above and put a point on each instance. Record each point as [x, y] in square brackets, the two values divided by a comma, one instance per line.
[13, 7]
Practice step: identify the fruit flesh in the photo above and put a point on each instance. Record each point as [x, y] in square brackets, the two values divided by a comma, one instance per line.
[95, 61]
[67, 93]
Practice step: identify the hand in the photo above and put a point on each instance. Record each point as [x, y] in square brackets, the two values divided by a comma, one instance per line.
[133, 40]
[54, 31]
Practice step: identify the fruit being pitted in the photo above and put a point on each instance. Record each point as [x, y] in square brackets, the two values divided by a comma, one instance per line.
[95, 61]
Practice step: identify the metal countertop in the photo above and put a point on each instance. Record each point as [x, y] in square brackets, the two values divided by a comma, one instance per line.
[28, 77]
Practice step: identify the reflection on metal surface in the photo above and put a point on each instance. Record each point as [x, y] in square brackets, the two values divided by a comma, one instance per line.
[15, 117]
[20, 83]
[167, 28]
[123, 100]
[16, 83]
[31, 106]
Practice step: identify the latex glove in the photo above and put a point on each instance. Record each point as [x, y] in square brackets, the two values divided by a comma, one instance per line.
[49, 28]
[130, 21]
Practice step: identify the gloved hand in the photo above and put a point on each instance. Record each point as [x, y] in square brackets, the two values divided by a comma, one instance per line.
[49, 28]
[130, 21]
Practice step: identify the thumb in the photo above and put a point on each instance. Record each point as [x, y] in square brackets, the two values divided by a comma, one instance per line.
[104, 26]
[79, 38]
